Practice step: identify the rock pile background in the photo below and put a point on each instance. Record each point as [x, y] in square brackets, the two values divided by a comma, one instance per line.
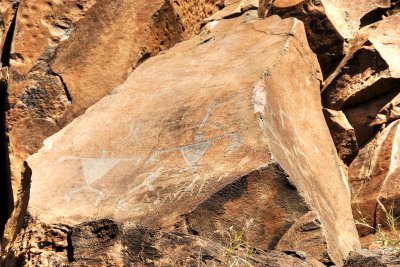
[199, 133]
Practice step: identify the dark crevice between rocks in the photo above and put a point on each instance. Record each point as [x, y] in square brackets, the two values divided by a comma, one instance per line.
[70, 248]
[67, 93]
[5, 182]
[5, 55]
[373, 16]
[238, 14]
[6, 196]
[142, 56]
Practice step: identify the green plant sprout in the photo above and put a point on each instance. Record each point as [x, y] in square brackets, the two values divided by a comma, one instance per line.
[236, 241]
[388, 242]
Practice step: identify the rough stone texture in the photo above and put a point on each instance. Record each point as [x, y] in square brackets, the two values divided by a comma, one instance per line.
[150, 152]
[370, 69]
[366, 258]
[374, 175]
[106, 243]
[234, 8]
[363, 116]
[306, 235]
[366, 83]
[7, 13]
[390, 112]
[262, 205]
[328, 23]
[66, 55]
[266, 209]
[343, 134]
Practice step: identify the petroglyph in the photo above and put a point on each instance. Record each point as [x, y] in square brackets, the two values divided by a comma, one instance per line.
[93, 169]
[193, 152]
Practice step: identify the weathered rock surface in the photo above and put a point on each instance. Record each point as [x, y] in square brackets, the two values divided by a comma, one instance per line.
[366, 258]
[374, 175]
[366, 82]
[234, 8]
[107, 243]
[343, 134]
[363, 116]
[7, 13]
[370, 69]
[153, 152]
[390, 112]
[66, 56]
[280, 221]
[328, 23]
[306, 235]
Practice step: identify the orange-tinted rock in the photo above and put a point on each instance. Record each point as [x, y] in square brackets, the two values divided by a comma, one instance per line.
[328, 23]
[370, 69]
[184, 126]
[108, 243]
[7, 15]
[343, 134]
[234, 8]
[375, 258]
[374, 175]
[367, 80]
[66, 55]
[390, 112]
[262, 205]
[306, 235]
[362, 116]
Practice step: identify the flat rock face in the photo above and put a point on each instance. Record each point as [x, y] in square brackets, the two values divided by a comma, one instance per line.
[346, 15]
[67, 56]
[374, 176]
[185, 125]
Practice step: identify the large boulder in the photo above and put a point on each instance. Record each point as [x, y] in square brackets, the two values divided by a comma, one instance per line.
[213, 113]
[367, 78]
[66, 56]
[329, 23]
[374, 176]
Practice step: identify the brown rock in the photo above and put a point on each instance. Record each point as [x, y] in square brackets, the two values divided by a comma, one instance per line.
[343, 134]
[328, 23]
[7, 15]
[365, 85]
[370, 69]
[151, 152]
[107, 243]
[234, 8]
[390, 112]
[366, 258]
[262, 206]
[363, 116]
[306, 234]
[374, 176]
[66, 56]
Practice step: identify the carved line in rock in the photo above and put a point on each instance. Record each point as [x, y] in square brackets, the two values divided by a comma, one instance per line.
[95, 168]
